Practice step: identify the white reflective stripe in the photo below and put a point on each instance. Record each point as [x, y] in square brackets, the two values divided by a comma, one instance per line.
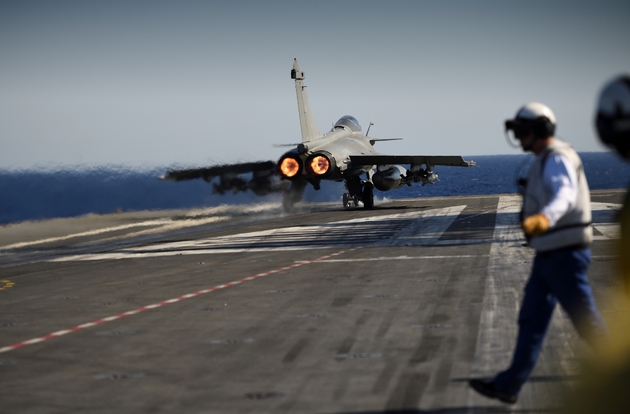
[110, 318]
[34, 341]
[88, 233]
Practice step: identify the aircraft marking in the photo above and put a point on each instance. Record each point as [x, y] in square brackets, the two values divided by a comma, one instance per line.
[6, 284]
[168, 302]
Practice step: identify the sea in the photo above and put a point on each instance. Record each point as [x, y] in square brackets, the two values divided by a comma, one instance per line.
[71, 191]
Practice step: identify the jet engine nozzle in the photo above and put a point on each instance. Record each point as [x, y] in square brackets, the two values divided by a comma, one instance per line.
[289, 166]
[320, 164]
[389, 177]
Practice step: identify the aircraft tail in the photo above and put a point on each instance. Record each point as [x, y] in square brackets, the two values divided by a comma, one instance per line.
[307, 122]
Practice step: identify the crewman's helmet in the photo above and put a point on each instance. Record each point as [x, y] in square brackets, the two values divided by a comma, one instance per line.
[533, 117]
[613, 115]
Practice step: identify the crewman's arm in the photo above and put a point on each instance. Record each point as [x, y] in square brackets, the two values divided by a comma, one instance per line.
[559, 180]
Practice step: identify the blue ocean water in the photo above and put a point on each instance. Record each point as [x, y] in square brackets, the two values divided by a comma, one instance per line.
[36, 195]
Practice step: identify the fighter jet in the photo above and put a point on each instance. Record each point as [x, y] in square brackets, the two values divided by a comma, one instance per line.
[342, 154]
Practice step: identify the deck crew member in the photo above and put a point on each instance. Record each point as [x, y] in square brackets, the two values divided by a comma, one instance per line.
[556, 219]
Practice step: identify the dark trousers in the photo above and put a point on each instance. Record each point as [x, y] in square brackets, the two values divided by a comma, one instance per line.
[557, 276]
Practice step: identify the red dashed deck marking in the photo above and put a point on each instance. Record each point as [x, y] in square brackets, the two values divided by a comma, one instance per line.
[164, 303]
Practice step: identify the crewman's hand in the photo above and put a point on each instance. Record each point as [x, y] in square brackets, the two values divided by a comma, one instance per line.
[535, 225]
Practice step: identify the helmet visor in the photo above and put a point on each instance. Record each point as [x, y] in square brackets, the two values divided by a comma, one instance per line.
[517, 129]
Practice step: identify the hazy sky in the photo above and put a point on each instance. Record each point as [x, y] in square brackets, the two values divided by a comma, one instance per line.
[150, 83]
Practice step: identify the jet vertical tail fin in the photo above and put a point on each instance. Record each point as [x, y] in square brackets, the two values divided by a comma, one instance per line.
[307, 122]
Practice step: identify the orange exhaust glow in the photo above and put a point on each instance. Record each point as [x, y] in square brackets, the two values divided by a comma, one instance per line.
[320, 165]
[289, 167]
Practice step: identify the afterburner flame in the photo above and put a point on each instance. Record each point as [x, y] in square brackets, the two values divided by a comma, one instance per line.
[289, 167]
[320, 165]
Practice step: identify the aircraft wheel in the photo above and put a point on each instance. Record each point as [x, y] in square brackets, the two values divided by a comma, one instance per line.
[368, 197]
[346, 200]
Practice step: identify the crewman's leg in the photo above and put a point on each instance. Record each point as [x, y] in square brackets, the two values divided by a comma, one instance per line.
[569, 283]
[534, 317]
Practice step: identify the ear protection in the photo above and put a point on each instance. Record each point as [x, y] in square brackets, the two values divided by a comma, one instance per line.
[543, 127]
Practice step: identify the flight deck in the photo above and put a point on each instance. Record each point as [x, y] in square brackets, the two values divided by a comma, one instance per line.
[247, 309]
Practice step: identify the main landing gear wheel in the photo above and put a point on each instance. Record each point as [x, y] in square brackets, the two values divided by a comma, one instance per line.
[349, 201]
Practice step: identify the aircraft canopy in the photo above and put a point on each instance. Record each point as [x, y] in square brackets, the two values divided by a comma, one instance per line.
[349, 122]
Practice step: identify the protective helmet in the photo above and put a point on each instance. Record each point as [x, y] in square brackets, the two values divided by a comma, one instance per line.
[533, 117]
[613, 115]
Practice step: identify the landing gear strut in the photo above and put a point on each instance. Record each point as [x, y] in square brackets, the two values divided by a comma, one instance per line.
[358, 190]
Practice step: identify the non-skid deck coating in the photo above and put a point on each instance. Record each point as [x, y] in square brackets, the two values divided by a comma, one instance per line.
[247, 310]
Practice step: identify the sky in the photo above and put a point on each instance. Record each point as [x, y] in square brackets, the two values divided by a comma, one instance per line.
[145, 84]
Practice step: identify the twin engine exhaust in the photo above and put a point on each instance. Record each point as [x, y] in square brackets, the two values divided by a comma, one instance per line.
[293, 165]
